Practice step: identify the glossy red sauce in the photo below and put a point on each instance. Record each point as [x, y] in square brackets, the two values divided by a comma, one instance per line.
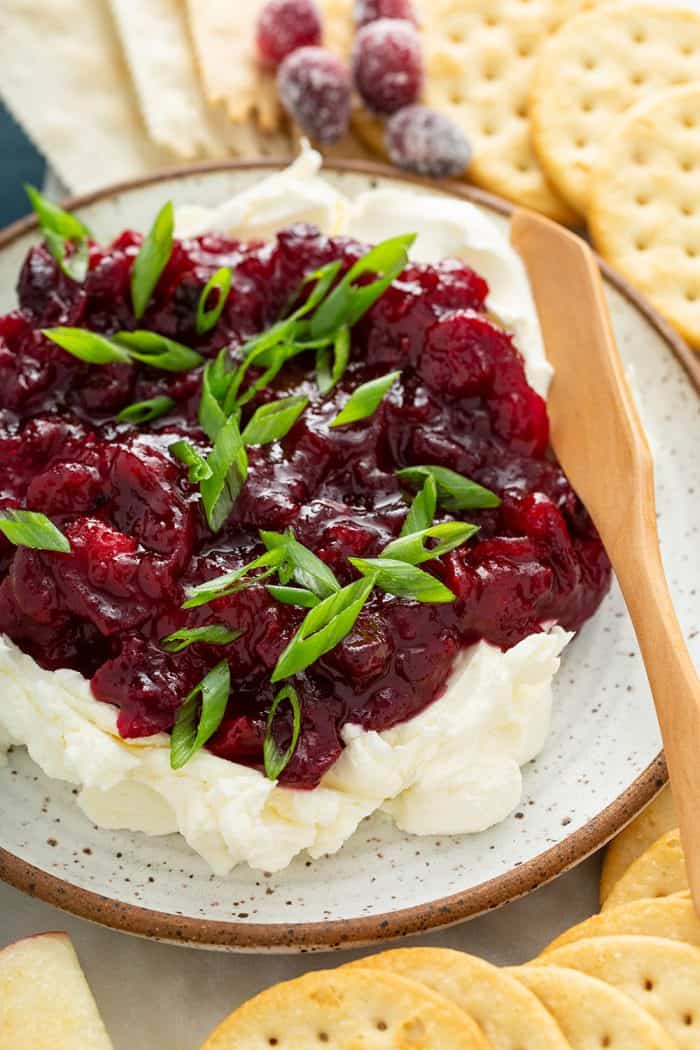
[139, 537]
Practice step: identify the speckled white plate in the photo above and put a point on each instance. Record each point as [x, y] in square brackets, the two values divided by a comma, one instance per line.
[600, 767]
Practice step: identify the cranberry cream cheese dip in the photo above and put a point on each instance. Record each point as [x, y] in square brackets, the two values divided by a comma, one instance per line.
[365, 607]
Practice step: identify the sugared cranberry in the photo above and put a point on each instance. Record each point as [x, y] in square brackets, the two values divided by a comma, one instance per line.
[285, 25]
[420, 139]
[314, 88]
[371, 10]
[387, 65]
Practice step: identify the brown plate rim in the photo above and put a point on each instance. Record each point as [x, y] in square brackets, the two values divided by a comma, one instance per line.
[347, 933]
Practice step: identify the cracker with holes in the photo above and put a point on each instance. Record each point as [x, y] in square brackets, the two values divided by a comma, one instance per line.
[653, 822]
[671, 917]
[508, 1014]
[644, 210]
[598, 65]
[591, 1013]
[480, 59]
[659, 872]
[663, 977]
[347, 1009]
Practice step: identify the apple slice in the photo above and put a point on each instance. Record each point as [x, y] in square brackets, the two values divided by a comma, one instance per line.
[45, 1001]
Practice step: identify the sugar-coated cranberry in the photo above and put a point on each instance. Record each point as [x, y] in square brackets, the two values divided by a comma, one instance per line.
[371, 10]
[387, 65]
[285, 25]
[314, 88]
[422, 140]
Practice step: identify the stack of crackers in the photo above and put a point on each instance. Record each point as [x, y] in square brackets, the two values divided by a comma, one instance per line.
[627, 979]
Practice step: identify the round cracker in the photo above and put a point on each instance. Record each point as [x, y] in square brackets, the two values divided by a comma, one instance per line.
[480, 60]
[658, 818]
[507, 1013]
[662, 976]
[673, 918]
[659, 872]
[644, 208]
[346, 1009]
[598, 65]
[480, 57]
[591, 1013]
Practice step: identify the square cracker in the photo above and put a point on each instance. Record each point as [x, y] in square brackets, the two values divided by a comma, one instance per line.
[63, 76]
[223, 32]
[157, 49]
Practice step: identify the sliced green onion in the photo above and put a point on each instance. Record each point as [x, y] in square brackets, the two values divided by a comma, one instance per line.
[189, 734]
[228, 463]
[413, 547]
[26, 528]
[275, 761]
[293, 595]
[152, 349]
[152, 258]
[60, 229]
[323, 628]
[327, 374]
[197, 467]
[272, 421]
[237, 580]
[88, 346]
[220, 283]
[403, 579]
[348, 301]
[422, 509]
[305, 567]
[145, 411]
[365, 400]
[215, 381]
[212, 634]
[454, 492]
[124, 347]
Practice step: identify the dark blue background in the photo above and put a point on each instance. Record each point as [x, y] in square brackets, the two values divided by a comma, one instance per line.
[19, 163]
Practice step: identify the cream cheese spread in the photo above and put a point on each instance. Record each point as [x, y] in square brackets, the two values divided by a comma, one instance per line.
[452, 769]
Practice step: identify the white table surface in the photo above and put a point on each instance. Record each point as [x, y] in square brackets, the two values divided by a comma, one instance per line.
[162, 997]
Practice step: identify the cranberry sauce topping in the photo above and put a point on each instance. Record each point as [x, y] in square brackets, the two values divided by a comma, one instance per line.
[139, 537]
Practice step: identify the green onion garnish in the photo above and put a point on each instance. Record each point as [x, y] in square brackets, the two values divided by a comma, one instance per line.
[59, 229]
[301, 564]
[323, 628]
[272, 421]
[237, 580]
[145, 411]
[197, 467]
[212, 634]
[189, 734]
[365, 400]
[152, 258]
[403, 579]
[26, 528]
[422, 509]
[228, 462]
[413, 548]
[275, 761]
[220, 284]
[454, 492]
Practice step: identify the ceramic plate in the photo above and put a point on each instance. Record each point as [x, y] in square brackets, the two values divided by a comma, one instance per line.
[600, 767]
